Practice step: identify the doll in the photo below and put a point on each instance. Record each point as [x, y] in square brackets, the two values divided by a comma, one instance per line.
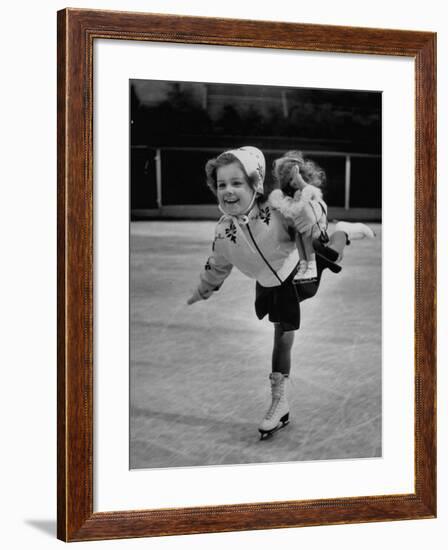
[299, 182]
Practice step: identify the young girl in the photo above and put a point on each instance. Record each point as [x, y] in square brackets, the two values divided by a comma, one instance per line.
[299, 181]
[256, 238]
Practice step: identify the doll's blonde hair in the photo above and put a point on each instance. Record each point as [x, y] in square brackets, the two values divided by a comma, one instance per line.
[283, 171]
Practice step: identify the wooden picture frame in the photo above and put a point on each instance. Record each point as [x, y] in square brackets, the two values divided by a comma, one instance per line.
[77, 31]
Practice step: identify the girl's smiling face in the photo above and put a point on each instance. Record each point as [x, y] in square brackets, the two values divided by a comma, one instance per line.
[233, 189]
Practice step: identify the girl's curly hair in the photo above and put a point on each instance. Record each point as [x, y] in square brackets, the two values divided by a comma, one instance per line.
[225, 159]
[310, 171]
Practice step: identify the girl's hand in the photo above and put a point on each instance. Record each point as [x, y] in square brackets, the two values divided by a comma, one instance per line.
[198, 296]
[195, 297]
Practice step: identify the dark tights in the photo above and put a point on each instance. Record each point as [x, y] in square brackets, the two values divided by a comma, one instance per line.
[281, 354]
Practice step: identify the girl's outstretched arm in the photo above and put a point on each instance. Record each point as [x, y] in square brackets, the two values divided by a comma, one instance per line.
[197, 296]
[216, 269]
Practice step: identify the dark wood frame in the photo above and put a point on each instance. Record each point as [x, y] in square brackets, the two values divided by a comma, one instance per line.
[77, 30]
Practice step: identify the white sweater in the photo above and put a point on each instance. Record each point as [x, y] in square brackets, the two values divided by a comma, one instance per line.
[250, 247]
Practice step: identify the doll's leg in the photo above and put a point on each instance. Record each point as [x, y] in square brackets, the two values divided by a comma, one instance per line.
[309, 248]
[303, 258]
[307, 271]
[311, 272]
[301, 248]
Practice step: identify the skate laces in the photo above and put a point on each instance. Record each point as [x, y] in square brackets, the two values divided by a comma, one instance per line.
[278, 393]
[272, 409]
[275, 403]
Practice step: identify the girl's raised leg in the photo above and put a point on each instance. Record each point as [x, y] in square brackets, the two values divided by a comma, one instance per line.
[338, 241]
[346, 232]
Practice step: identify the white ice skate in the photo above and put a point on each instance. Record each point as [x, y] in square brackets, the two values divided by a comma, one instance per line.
[307, 272]
[277, 415]
[355, 231]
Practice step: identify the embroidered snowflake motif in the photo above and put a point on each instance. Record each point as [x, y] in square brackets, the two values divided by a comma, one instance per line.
[231, 232]
[207, 266]
[265, 215]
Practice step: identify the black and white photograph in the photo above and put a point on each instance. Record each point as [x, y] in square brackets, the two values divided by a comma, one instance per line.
[255, 274]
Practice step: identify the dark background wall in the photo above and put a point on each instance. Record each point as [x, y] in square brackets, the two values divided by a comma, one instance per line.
[175, 127]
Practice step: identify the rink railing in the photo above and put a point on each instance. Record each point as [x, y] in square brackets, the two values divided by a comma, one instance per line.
[210, 211]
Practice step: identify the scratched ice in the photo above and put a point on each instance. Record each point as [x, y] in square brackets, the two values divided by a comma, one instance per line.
[199, 374]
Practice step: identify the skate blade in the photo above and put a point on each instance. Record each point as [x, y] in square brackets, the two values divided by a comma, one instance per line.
[267, 434]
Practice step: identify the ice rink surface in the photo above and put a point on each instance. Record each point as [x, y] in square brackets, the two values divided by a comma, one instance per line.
[199, 374]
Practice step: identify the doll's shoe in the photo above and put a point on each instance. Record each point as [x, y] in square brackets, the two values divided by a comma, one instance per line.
[301, 269]
[355, 231]
[308, 274]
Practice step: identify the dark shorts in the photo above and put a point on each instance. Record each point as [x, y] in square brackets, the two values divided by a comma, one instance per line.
[282, 303]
